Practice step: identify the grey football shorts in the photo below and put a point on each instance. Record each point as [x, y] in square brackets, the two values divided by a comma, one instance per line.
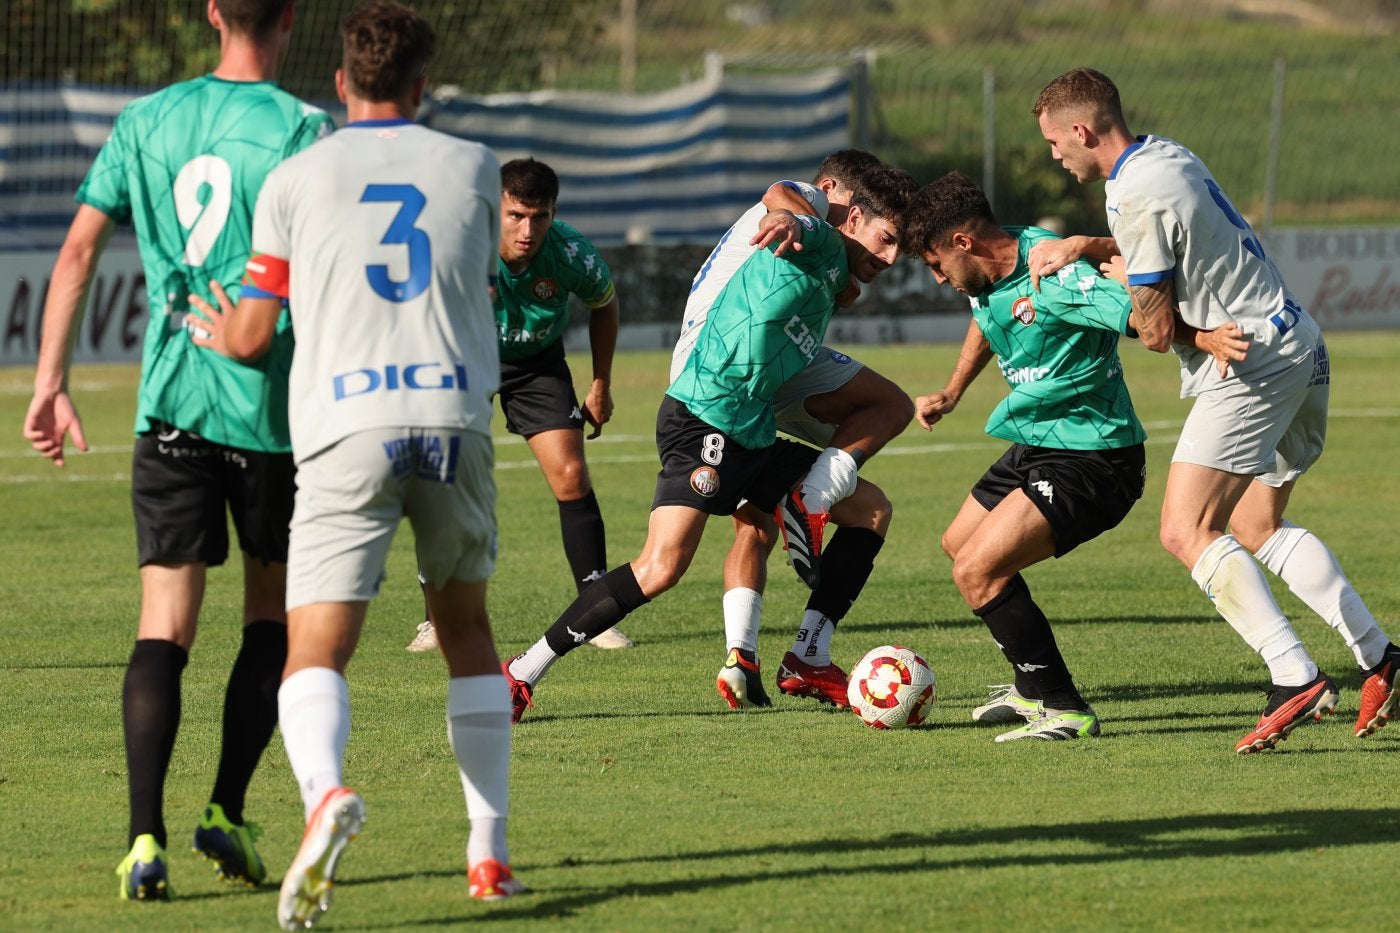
[352, 495]
[828, 372]
[1273, 428]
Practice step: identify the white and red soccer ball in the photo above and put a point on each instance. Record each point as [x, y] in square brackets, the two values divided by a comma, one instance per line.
[891, 687]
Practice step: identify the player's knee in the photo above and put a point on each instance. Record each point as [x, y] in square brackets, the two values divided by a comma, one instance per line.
[1177, 540]
[899, 409]
[949, 546]
[570, 480]
[867, 507]
[754, 531]
[971, 580]
[657, 573]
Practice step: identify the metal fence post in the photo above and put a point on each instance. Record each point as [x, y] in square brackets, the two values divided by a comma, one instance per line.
[989, 135]
[1275, 144]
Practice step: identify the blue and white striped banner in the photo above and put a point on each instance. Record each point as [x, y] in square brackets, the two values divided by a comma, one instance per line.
[49, 136]
[673, 167]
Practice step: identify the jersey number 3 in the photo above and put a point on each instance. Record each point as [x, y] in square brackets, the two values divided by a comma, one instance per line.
[401, 232]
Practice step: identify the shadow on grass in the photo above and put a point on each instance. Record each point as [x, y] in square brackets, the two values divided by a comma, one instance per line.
[73, 666]
[971, 621]
[1195, 836]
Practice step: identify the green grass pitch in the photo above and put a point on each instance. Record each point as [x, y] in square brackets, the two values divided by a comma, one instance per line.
[640, 802]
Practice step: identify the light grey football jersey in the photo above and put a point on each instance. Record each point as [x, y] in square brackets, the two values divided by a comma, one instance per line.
[724, 260]
[1172, 221]
[390, 231]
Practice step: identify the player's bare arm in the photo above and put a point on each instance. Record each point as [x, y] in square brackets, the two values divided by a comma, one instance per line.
[241, 333]
[974, 356]
[602, 339]
[1154, 312]
[1050, 256]
[52, 414]
[1227, 343]
[780, 226]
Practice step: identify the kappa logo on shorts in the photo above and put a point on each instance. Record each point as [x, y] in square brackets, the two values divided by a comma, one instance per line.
[1045, 488]
[1023, 310]
[545, 289]
[705, 481]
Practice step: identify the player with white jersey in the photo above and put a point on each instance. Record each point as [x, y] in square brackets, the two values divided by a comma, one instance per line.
[1201, 282]
[835, 403]
[384, 237]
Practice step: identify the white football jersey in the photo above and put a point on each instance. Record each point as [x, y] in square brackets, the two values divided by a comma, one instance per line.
[390, 230]
[1172, 221]
[724, 260]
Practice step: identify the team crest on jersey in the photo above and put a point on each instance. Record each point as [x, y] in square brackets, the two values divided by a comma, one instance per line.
[1023, 310]
[545, 289]
[705, 481]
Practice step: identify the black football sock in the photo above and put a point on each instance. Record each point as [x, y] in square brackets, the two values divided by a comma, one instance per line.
[846, 565]
[597, 609]
[1025, 637]
[250, 712]
[585, 542]
[150, 719]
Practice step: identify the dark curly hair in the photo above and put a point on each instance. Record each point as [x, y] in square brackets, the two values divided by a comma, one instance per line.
[386, 48]
[942, 208]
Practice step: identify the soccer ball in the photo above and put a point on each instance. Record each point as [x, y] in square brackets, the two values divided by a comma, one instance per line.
[891, 687]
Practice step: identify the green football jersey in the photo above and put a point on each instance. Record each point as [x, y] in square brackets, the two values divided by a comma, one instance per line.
[763, 328]
[184, 166]
[532, 307]
[1058, 349]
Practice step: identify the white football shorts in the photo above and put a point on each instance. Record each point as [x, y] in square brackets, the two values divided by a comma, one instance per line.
[352, 495]
[1273, 428]
[829, 371]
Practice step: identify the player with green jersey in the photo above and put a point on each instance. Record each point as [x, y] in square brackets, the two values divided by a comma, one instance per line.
[715, 430]
[749, 348]
[1076, 464]
[1063, 393]
[184, 166]
[532, 304]
[542, 261]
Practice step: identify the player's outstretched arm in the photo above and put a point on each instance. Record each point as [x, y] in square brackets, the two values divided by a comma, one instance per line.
[1050, 256]
[52, 415]
[974, 356]
[603, 323]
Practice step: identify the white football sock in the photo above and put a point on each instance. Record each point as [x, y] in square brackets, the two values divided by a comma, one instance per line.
[1311, 571]
[1228, 574]
[813, 642]
[831, 478]
[534, 663]
[478, 729]
[313, 712]
[743, 610]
